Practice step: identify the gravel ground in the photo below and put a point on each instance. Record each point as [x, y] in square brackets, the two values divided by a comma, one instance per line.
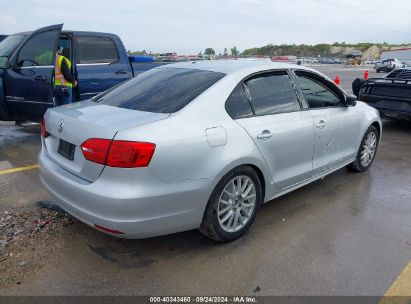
[24, 237]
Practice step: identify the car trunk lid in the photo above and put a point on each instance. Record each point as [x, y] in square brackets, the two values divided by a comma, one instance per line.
[69, 126]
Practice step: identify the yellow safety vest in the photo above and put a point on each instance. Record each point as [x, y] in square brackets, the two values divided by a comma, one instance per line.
[59, 79]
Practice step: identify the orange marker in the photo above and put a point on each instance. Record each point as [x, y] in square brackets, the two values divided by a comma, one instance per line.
[337, 80]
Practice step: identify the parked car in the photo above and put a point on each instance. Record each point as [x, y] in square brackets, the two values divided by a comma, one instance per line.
[391, 95]
[388, 65]
[201, 145]
[27, 68]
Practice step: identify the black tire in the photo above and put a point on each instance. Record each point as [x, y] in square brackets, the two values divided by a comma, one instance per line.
[357, 166]
[377, 70]
[210, 226]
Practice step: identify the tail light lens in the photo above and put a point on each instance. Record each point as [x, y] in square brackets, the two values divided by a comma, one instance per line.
[95, 150]
[44, 133]
[130, 154]
[118, 153]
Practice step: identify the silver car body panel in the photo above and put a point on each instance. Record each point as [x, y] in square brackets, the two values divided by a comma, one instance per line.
[195, 148]
[78, 122]
[288, 149]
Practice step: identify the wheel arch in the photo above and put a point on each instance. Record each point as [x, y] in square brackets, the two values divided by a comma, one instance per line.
[261, 177]
[260, 169]
[378, 126]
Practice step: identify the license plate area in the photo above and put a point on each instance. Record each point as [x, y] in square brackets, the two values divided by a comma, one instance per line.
[66, 149]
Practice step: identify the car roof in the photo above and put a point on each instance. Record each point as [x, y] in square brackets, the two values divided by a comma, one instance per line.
[246, 66]
[79, 33]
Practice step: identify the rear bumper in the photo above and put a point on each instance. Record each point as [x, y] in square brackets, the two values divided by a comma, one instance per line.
[132, 201]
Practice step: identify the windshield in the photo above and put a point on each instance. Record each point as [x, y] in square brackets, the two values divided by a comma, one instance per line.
[7, 46]
[164, 90]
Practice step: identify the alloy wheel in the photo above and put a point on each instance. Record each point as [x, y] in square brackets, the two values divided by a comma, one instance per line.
[236, 203]
[368, 149]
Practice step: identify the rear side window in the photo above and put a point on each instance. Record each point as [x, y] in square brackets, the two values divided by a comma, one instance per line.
[96, 50]
[238, 105]
[272, 94]
[164, 90]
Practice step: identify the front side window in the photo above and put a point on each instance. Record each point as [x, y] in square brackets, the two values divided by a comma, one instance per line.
[238, 105]
[96, 50]
[39, 50]
[272, 93]
[160, 90]
[317, 94]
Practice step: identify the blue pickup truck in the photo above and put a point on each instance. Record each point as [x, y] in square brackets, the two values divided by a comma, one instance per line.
[27, 68]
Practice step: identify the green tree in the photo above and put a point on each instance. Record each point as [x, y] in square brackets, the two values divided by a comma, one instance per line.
[234, 51]
[225, 52]
[209, 51]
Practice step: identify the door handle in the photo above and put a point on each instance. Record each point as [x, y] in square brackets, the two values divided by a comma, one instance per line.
[265, 135]
[121, 72]
[40, 78]
[321, 124]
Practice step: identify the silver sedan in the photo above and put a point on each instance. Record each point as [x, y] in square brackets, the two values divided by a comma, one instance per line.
[201, 145]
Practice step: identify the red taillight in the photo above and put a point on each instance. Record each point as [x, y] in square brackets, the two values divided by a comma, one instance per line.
[130, 154]
[118, 153]
[44, 133]
[95, 150]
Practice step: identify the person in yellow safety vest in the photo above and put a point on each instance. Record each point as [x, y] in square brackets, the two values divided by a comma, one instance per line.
[64, 80]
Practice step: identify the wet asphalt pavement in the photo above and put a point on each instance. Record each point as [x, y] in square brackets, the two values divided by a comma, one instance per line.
[349, 234]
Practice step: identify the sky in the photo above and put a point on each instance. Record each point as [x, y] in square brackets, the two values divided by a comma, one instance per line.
[188, 27]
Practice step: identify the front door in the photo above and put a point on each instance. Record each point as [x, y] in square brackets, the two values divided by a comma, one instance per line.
[28, 81]
[284, 134]
[336, 124]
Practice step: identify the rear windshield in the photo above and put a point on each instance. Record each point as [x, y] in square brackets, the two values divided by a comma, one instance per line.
[165, 90]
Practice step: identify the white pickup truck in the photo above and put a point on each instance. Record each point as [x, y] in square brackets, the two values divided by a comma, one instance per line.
[388, 65]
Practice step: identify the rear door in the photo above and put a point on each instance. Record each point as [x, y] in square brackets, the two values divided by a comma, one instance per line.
[28, 82]
[283, 133]
[100, 63]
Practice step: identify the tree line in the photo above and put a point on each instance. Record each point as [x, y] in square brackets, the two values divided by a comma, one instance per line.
[299, 50]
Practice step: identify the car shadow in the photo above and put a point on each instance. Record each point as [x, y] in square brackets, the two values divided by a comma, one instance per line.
[276, 223]
[392, 125]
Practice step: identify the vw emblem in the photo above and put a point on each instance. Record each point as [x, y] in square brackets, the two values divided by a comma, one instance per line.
[60, 126]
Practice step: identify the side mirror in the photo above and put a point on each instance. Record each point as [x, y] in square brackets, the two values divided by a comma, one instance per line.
[350, 100]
